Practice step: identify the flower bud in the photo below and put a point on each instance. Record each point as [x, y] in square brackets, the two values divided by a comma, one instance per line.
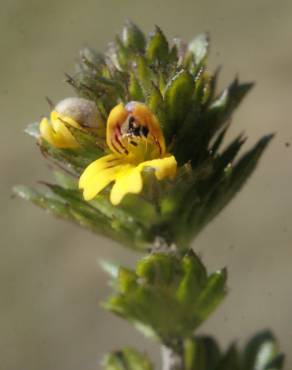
[83, 111]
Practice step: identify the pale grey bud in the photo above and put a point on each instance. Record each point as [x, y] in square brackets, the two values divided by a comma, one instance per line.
[83, 111]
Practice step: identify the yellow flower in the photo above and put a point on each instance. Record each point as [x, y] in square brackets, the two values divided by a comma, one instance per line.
[77, 112]
[136, 141]
[56, 133]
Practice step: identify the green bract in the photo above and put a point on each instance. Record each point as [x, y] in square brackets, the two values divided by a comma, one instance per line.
[203, 353]
[167, 297]
[260, 353]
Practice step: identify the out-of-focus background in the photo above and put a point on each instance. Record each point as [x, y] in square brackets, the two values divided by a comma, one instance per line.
[50, 282]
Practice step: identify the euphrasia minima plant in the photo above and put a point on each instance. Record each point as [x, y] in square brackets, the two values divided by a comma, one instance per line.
[140, 157]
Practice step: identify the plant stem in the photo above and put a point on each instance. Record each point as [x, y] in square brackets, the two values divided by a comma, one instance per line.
[171, 360]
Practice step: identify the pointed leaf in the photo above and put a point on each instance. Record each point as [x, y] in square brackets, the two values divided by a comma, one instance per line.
[133, 38]
[201, 353]
[135, 90]
[156, 105]
[143, 74]
[121, 54]
[178, 98]
[92, 59]
[158, 268]
[157, 47]
[211, 296]
[194, 279]
[230, 361]
[228, 155]
[261, 351]
[68, 204]
[221, 108]
[218, 194]
[65, 180]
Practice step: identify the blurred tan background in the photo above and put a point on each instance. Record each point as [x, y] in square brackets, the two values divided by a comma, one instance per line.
[50, 282]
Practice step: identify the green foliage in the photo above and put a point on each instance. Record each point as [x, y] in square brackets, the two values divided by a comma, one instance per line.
[260, 353]
[127, 359]
[201, 353]
[100, 217]
[178, 96]
[133, 37]
[167, 297]
[157, 51]
[206, 195]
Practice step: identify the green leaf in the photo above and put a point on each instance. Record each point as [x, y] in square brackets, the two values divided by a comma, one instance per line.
[119, 218]
[201, 353]
[216, 145]
[135, 90]
[73, 160]
[65, 180]
[228, 155]
[230, 360]
[206, 198]
[133, 38]
[194, 280]
[262, 353]
[121, 54]
[157, 268]
[178, 97]
[44, 201]
[156, 105]
[211, 296]
[92, 59]
[127, 359]
[143, 74]
[106, 220]
[222, 107]
[157, 50]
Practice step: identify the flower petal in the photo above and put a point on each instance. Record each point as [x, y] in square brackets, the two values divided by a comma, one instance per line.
[99, 174]
[56, 133]
[58, 118]
[116, 117]
[164, 167]
[129, 180]
[47, 131]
